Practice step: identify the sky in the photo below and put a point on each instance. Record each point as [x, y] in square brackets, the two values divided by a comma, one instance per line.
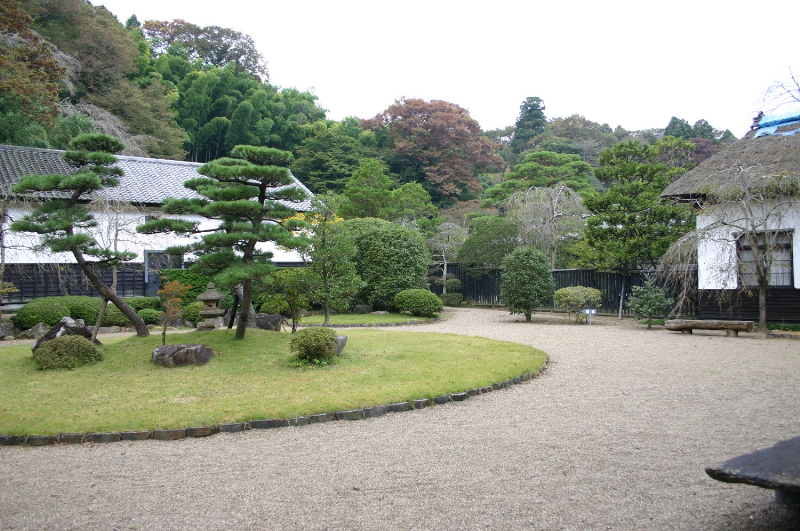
[630, 63]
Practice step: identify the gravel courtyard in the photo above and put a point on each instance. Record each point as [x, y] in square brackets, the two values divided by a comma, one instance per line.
[614, 435]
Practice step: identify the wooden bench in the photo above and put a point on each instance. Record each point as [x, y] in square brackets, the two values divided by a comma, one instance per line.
[776, 468]
[732, 328]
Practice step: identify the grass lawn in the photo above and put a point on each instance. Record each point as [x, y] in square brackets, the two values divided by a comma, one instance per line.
[361, 318]
[247, 380]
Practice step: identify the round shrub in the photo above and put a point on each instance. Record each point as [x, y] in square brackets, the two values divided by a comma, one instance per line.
[150, 316]
[315, 344]
[191, 312]
[114, 317]
[67, 352]
[451, 299]
[48, 310]
[452, 284]
[83, 307]
[420, 302]
[140, 303]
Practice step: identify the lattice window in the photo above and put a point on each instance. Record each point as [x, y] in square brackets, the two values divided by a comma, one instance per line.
[775, 247]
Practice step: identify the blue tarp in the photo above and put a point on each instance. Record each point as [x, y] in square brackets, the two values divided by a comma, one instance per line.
[773, 130]
[779, 119]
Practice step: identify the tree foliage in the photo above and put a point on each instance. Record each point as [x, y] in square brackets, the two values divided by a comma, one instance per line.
[525, 281]
[530, 123]
[491, 238]
[649, 302]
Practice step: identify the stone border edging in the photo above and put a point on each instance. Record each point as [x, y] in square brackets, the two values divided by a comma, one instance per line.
[376, 325]
[234, 427]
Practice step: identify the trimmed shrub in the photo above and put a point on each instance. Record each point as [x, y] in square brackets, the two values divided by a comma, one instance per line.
[83, 307]
[649, 302]
[576, 298]
[140, 303]
[67, 352]
[150, 316]
[315, 344]
[48, 310]
[420, 302]
[452, 284]
[525, 281]
[191, 312]
[114, 317]
[452, 299]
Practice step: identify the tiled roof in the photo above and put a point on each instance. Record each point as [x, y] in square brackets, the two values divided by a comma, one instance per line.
[145, 181]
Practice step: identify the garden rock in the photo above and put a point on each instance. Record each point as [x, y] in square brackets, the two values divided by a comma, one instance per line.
[362, 308]
[7, 328]
[65, 327]
[340, 343]
[38, 330]
[269, 321]
[380, 312]
[304, 313]
[182, 354]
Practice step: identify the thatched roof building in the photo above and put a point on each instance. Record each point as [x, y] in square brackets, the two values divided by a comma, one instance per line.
[771, 148]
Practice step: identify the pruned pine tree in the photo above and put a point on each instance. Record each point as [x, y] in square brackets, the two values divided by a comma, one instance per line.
[248, 196]
[64, 223]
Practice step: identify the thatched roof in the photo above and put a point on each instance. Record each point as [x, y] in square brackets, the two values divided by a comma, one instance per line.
[775, 153]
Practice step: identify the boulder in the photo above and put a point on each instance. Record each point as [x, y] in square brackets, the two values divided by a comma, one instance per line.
[339, 344]
[380, 312]
[67, 326]
[182, 354]
[38, 330]
[269, 321]
[362, 308]
[304, 313]
[7, 328]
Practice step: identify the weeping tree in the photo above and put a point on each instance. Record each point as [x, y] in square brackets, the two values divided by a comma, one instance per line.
[63, 220]
[248, 196]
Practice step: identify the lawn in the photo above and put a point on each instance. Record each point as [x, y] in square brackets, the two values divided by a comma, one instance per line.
[247, 380]
[362, 318]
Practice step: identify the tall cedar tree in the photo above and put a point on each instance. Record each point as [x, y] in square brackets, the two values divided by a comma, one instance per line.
[62, 223]
[247, 195]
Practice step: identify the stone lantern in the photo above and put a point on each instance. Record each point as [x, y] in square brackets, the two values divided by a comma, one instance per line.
[211, 312]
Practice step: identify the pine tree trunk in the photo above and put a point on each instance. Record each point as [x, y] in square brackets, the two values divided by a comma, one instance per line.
[244, 313]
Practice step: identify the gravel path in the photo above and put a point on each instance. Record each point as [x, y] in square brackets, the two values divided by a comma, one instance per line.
[614, 435]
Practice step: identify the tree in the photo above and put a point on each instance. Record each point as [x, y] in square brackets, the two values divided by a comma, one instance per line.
[172, 295]
[491, 239]
[525, 281]
[411, 205]
[249, 197]
[649, 302]
[436, 144]
[531, 122]
[64, 224]
[542, 169]
[444, 246]
[548, 218]
[331, 271]
[367, 192]
[293, 286]
[679, 128]
[630, 227]
[783, 93]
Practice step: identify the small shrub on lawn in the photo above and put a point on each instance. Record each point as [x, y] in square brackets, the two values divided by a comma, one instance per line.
[114, 317]
[150, 316]
[649, 302]
[140, 303]
[67, 352]
[576, 298]
[451, 299]
[191, 312]
[48, 310]
[419, 302]
[315, 345]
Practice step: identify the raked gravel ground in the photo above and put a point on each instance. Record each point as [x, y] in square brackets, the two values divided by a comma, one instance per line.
[614, 435]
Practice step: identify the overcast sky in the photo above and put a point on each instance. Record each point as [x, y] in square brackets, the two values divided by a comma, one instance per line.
[629, 63]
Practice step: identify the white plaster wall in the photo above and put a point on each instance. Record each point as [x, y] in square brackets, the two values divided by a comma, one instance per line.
[19, 246]
[716, 252]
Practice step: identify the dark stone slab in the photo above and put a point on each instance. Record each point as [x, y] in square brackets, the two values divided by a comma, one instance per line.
[777, 468]
[182, 354]
[459, 397]
[201, 431]
[374, 411]
[497, 386]
[141, 435]
[268, 424]
[485, 390]
[269, 321]
[441, 399]
[65, 327]
[362, 308]
[70, 438]
[473, 392]
[399, 407]
[320, 417]
[11, 440]
[169, 435]
[515, 381]
[41, 440]
[298, 421]
[350, 414]
[507, 383]
[233, 427]
[102, 437]
[420, 403]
